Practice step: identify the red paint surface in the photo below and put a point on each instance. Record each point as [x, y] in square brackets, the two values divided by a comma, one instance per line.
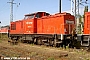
[55, 24]
[4, 30]
[87, 23]
[52, 24]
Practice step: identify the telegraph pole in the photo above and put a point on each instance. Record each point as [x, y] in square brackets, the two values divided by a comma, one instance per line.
[75, 9]
[60, 6]
[0, 31]
[11, 10]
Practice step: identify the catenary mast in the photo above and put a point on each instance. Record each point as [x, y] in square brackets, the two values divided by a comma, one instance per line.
[11, 10]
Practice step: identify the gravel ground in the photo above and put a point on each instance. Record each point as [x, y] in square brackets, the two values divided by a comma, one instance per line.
[36, 52]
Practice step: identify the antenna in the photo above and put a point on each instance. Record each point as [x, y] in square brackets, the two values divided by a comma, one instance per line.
[11, 10]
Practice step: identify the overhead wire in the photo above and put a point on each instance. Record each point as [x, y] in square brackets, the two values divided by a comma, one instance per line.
[16, 9]
[3, 8]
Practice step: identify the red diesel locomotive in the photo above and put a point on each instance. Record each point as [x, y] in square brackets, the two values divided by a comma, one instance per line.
[43, 28]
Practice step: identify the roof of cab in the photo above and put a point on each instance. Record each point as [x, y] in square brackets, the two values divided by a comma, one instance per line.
[34, 13]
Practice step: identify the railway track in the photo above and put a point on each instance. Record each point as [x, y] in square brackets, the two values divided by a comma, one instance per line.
[13, 42]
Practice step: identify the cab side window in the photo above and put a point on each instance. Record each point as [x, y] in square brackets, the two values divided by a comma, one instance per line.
[38, 16]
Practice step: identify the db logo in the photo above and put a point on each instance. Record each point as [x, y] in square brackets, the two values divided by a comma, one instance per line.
[29, 22]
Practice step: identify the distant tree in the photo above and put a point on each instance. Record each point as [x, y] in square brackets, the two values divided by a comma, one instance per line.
[79, 26]
[85, 10]
[5, 26]
[80, 19]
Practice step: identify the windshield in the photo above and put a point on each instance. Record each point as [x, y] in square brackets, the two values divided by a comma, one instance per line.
[38, 15]
[29, 16]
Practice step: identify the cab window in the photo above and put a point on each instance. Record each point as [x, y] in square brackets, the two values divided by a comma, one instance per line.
[47, 14]
[29, 16]
[38, 16]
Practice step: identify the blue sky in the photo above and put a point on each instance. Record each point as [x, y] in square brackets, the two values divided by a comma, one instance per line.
[29, 6]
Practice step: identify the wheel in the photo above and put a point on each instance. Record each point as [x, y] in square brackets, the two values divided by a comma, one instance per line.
[39, 42]
[51, 42]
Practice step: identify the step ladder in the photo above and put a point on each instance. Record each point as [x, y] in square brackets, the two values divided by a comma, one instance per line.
[85, 42]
